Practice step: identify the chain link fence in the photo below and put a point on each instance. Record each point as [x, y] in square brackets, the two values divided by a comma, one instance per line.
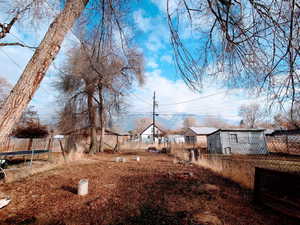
[267, 166]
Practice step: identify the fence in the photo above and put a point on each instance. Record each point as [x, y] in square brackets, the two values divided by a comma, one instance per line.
[22, 144]
[284, 144]
[239, 167]
[68, 142]
[261, 172]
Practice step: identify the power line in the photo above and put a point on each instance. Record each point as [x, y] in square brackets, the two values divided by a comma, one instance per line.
[21, 41]
[21, 69]
[11, 59]
[195, 99]
[140, 99]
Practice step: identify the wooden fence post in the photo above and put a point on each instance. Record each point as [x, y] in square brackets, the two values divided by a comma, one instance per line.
[49, 148]
[32, 152]
[62, 150]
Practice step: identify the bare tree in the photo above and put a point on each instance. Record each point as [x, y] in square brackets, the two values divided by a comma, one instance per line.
[190, 122]
[102, 11]
[37, 67]
[94, 86]
[215, 122]
[5, 87]
[30, 126]
[251, 114]
[250, 44]
[141, 123]
[289, 119]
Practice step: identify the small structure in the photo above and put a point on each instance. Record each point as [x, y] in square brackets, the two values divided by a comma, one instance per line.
[198, 135]
[175, 136]
[237, 141]
[145, 134]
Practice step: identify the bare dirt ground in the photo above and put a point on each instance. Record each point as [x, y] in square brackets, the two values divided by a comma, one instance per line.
[152, 191]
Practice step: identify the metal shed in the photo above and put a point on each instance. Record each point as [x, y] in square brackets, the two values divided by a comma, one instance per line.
[198, 135]
[237, 141]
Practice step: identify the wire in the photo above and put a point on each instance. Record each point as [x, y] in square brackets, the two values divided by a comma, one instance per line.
[195, 99]
[21, 69]
[21, 41]
[11, 59]
[140, 99]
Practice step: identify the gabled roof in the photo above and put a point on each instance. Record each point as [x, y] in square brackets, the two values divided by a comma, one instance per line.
[203, 130]
[142, 130]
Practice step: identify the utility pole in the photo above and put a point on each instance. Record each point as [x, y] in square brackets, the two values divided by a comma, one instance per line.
[153, 119]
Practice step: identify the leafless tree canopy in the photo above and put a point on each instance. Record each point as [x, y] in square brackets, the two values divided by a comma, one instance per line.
[141, 123]
[190, 122]
[5, 87]
[251, 114]
[30, 126]
[252, 43]
[213, 121]
[84, 75]
[24, 12]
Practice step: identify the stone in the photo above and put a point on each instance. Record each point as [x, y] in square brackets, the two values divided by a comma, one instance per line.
[206, 218]
[123, 160]
[4, 202]
[209, 187]
[137, 158]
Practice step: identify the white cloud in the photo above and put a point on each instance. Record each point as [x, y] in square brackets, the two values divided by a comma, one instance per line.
[13, 60]
[141, 21]
[154, 43]
[166, 58]
[152, 64]
[212, 102]
[162, 4]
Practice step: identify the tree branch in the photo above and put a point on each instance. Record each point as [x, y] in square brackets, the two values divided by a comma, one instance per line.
[16, 44]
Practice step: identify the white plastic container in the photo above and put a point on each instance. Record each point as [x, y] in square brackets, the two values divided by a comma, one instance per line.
[83, 187]
[137, 158]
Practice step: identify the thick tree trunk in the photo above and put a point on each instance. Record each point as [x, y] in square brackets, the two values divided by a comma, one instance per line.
[92, 121]
[101, 115]
[38, 65]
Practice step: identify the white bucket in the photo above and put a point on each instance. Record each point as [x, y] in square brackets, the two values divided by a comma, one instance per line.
[83, 187]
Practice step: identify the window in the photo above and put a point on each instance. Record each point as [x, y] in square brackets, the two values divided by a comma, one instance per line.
[233, 138]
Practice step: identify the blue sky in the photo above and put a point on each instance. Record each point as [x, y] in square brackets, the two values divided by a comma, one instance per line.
[151, 35]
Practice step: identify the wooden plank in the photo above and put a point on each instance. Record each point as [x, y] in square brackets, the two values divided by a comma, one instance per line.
[278, 190]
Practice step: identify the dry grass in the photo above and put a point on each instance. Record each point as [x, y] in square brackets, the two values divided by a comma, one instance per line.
[240, 168]
[150, 192]
[19, 171]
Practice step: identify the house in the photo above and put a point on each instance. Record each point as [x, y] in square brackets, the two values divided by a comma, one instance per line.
[175, 136]
[237, 141]
[198, 135]
[145, 134]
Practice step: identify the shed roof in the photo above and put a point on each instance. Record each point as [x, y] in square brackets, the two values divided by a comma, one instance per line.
[285, 132]
[203, 130]
[269, 131]
[238, 130]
